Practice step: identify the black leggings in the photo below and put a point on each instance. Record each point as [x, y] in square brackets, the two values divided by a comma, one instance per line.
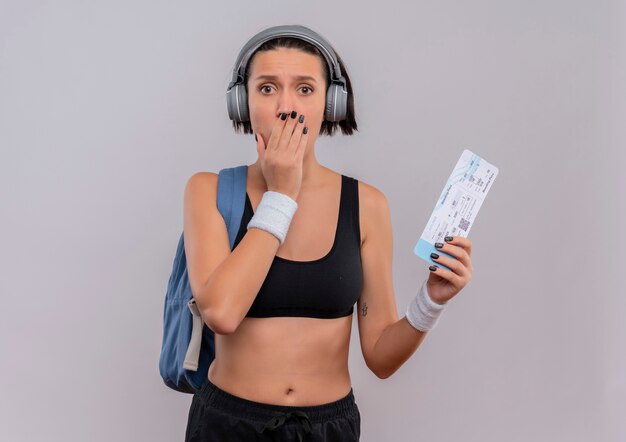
[216, 415]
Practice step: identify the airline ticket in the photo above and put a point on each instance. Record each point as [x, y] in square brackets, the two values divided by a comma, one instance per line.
[458, 204]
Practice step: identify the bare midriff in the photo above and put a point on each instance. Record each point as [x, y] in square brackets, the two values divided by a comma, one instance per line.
[294, 361]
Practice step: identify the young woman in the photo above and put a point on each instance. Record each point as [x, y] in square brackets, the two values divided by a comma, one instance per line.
[281, 304]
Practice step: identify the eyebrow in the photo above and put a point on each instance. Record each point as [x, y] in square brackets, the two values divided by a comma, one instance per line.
[297, 77]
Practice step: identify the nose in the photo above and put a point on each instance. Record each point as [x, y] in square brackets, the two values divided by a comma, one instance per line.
[286, 103]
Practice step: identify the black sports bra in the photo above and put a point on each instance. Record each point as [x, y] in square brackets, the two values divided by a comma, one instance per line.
[326, 287]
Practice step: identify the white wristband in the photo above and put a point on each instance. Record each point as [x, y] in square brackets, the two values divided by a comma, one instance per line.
[423, 313]
[273, 214]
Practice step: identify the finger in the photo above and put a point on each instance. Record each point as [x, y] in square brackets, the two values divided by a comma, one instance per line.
[290, 124]
[296, 138]
[260, 145]
[304, 139]
[454, 264]
[451, 277]
[464, 243]
[455, 251]
[277, 130]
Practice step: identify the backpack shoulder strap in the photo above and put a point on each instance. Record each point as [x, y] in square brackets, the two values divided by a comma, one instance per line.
[231, 198]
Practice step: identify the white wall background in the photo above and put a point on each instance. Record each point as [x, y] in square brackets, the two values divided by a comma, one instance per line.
[107, 108]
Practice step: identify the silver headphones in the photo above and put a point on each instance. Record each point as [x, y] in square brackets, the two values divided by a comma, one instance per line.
[336, 94]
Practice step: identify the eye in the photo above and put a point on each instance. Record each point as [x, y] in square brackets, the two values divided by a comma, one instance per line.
[264, 87]
[308, 88]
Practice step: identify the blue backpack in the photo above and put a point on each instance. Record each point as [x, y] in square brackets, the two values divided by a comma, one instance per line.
[188, 346]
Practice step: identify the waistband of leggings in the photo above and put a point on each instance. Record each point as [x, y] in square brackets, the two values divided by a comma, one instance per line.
[247, 409]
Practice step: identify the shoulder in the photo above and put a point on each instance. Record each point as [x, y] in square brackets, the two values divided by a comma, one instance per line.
[201, 182]
[200, 188]
[371, 197]
[203, 178]
[373, 208]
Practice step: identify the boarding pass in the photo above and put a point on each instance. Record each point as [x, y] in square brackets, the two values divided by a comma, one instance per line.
[458, 204]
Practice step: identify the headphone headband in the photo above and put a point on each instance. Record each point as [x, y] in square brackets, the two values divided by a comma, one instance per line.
[295, 31]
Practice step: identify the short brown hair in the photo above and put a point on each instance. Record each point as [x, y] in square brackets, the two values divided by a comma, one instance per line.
[348, 125]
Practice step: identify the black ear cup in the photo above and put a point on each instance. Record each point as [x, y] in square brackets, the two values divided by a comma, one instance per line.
[237, 103]
[336, 103]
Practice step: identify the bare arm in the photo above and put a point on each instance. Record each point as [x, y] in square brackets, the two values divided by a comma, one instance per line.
[386, 341]
[394, 347]
[224, 284]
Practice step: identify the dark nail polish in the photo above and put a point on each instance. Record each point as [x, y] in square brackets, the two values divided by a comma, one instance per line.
[305, 130]
[255, 138]
[283, 116]
[301, 120]
[293, 114]
[438, 245]
[434, 255]
[448, 238]
[432, 268]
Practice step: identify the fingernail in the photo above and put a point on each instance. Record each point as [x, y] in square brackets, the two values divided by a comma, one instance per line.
[301, 120]
[448, 238]
[432, 268]
[438, 245]
[434, 255]
[293, 114]
[305, 130]
[255, 138]
[283, 116]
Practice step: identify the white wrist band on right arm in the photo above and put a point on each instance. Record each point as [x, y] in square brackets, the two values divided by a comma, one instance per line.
[423, 313]
[273, 214]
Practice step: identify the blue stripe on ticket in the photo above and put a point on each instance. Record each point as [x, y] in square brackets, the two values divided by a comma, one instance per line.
[423, 249]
